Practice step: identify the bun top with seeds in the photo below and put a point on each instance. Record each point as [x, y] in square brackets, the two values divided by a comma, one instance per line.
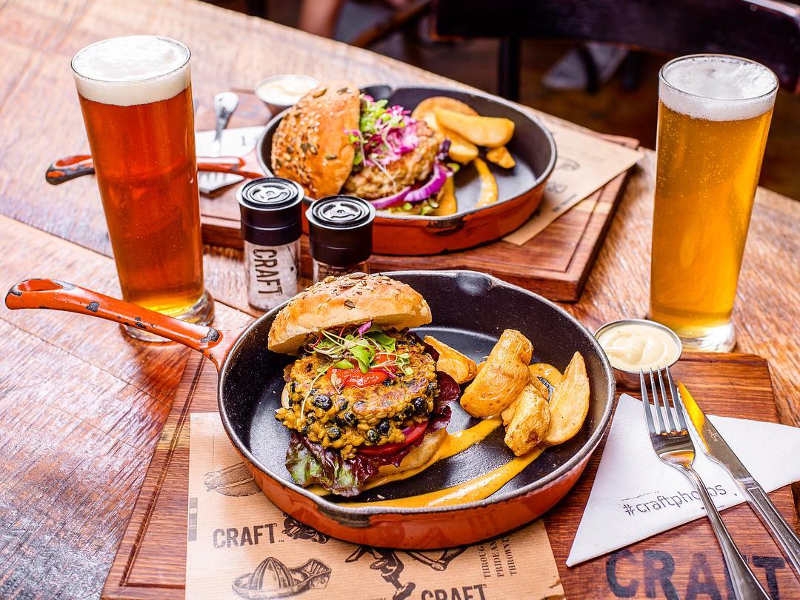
[311, 145]
[344, 301]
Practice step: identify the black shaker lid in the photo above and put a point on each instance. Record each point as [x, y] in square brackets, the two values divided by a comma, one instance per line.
[340, 228]
[270, 210]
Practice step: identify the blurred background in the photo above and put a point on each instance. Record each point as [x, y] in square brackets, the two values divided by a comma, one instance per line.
[609, 87]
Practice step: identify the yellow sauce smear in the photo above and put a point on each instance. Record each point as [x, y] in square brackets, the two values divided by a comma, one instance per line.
[469, 491]
[453, 444]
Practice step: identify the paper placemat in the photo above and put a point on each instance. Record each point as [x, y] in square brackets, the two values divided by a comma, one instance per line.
[585, 164]
[240, 545]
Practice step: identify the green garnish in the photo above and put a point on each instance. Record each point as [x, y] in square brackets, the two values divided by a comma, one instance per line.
[373, 349]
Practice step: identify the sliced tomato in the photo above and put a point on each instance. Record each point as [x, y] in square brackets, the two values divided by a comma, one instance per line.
[412, 434]
[357, 378]
[354, 376]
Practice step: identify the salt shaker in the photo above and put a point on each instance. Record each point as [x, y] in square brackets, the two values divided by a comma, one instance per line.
[271, 226]
[340, 232]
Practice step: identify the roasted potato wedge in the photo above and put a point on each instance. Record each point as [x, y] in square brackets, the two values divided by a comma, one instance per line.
[569, 404]
[501, 157]
[502, 378]
[530, 422]
[549, 372]
[483, 131]
[448, 205]
[488, 193]
[508, 413]
[460, 367]
[461, 150]
[428, 105]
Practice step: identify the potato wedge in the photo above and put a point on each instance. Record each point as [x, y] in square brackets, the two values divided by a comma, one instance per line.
[461, 150]
[549, 372]
[501, 157]
[530, 423]
[483, 131]
[570, 403]
[488, 193]
[447, 200]
[508, 413]
[502, 378]
[460, 367]
[428, 105]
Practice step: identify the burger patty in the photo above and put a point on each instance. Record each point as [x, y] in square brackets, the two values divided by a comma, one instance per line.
[374, 181]
[348, 417]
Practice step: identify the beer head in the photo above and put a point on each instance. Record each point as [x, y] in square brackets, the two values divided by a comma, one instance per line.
[131, 70]
[717, 87]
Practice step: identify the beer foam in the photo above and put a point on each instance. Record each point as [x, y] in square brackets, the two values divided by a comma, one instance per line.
[137, 69]
[717, 88]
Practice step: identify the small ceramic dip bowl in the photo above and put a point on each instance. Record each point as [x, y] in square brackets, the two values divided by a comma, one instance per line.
[282, 91]
[632, 345]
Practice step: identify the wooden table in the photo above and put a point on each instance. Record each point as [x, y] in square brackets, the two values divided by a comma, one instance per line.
[81, 406]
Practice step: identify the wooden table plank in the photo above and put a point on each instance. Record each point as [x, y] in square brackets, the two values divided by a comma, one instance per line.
[81, 410]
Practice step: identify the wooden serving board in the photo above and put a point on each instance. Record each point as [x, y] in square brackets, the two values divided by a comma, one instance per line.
[555, 263]
[682, 563]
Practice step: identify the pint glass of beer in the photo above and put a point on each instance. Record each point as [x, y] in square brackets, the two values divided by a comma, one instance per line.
[136, 98]
[713, 119]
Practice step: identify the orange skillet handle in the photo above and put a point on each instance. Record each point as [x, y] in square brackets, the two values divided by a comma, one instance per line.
[60, 295]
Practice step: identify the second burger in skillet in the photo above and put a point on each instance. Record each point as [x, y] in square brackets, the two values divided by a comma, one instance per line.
[337, 139]
[363, 399]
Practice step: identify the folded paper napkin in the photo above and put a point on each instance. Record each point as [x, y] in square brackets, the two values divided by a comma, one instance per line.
[635, 495]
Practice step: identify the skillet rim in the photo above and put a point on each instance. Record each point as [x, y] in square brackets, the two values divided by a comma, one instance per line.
[539, 179]
[337, 511]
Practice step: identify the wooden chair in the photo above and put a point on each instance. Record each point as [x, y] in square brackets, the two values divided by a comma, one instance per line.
[764, 30]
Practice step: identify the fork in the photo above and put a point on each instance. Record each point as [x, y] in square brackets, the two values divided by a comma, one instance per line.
[673, 445]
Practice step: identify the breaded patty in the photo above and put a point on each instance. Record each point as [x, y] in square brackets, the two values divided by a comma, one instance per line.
[352, 416]
[374, 181]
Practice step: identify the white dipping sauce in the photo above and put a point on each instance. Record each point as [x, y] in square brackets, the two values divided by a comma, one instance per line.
[635, 346]
[285, 90]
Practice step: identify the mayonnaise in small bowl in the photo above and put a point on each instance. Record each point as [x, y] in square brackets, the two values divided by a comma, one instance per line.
[634, 345]
[282, 91]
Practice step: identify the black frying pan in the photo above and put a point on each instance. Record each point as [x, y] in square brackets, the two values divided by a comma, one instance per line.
[470, 311]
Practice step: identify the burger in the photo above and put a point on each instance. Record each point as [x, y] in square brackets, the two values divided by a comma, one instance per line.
[337, 139]
[363, 400]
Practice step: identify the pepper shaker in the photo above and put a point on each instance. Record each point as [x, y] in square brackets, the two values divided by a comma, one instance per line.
[271, 226]
[340, 232]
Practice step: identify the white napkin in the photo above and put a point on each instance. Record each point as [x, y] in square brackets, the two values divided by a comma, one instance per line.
[635, 495]
[235, 142]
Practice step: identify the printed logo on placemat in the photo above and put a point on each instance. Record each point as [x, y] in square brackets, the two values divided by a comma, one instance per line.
[240, 545]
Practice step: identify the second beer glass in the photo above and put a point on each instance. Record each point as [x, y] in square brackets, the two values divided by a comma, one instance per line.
[713, 117]
[136, 97]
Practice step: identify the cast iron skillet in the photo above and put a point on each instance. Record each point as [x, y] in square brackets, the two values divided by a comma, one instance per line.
[519, 189]
[470, 311]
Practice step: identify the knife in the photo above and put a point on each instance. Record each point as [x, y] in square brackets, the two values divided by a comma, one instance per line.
[717, 449]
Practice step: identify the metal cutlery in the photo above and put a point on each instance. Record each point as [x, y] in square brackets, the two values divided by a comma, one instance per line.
[672, 444]
[717, 449]
[225, 104]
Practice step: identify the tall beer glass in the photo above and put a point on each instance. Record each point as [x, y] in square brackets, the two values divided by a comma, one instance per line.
[713, 118]
[136, 97]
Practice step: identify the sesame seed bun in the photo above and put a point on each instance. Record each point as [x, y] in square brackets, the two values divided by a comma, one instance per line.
[311, 145]
[348, 300]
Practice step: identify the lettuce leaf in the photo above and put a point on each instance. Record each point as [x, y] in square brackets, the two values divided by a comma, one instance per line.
[309, 463]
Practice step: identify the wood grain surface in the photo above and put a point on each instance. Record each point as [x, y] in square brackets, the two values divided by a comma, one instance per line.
[81, 406]
[151, 560]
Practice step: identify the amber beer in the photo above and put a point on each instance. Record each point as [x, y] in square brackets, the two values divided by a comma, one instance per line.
[713, 118]
[136, 98]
